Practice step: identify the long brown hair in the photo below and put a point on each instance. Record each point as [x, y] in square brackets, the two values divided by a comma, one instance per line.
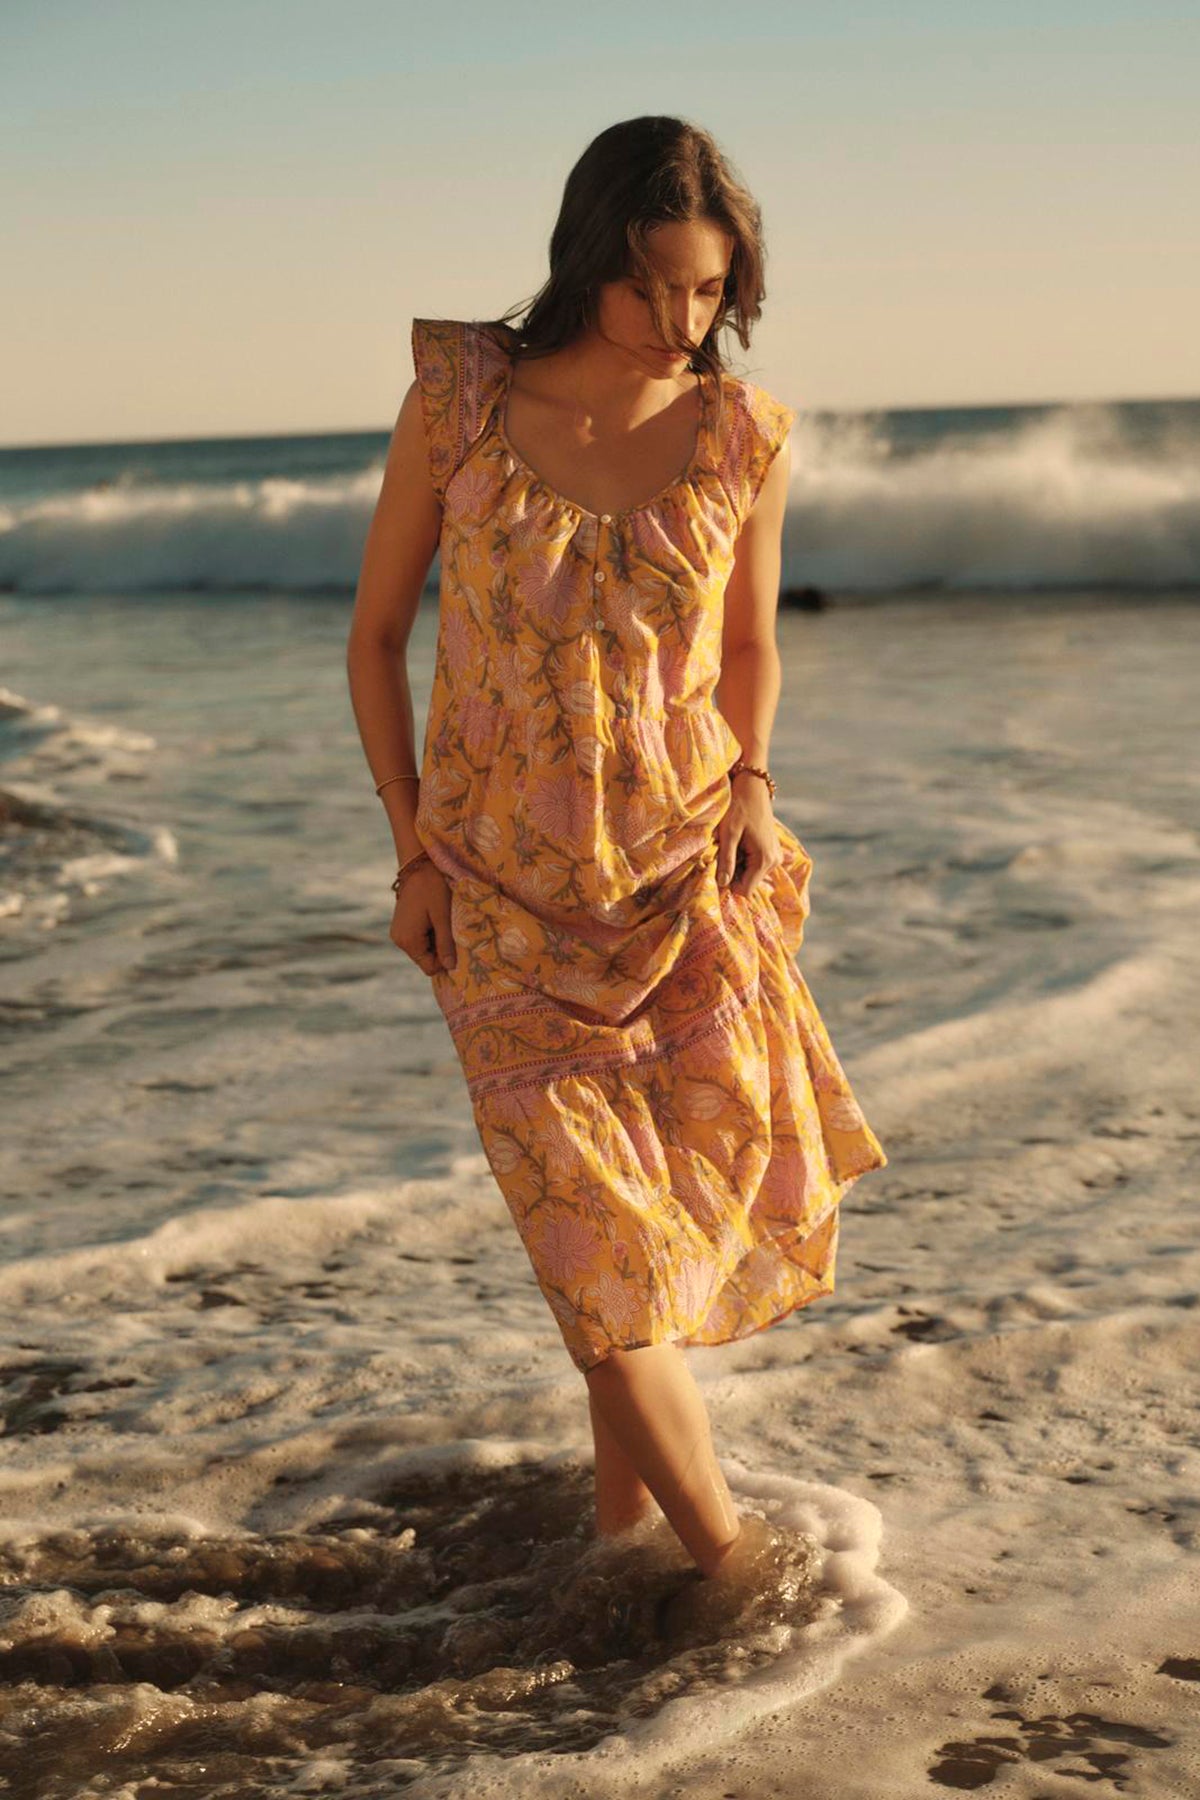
[635, 175]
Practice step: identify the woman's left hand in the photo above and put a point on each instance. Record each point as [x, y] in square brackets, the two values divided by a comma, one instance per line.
[747, 834]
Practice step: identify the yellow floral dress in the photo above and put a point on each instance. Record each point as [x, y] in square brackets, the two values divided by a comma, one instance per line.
[653, 1086]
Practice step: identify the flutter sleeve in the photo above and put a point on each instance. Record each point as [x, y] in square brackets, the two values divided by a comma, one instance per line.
[461, 370]
[760, 427]
[771, 423]
[439, 365]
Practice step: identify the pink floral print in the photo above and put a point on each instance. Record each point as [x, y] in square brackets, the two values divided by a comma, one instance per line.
[654, 1088]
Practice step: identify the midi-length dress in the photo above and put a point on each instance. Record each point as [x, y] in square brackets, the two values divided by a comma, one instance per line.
[654, 1089]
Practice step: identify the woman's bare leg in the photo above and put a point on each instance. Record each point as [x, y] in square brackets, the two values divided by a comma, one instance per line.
[622, 1497]
[650, 1403]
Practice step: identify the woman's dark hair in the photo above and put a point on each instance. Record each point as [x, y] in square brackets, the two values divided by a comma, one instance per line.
[635, 175]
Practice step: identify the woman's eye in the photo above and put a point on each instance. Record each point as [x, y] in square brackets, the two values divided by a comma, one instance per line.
[709, 293]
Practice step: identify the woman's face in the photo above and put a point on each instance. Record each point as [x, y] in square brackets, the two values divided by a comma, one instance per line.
[693, 259]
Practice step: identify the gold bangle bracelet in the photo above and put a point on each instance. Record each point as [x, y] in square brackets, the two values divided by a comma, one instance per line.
[418, 856]
[383, 784]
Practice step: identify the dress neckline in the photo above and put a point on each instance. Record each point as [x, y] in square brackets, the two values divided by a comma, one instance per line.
[625, 512]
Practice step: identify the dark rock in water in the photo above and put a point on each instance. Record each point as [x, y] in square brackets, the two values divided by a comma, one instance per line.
[805, 599]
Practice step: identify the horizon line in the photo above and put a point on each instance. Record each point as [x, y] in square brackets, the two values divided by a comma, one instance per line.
[229, 437]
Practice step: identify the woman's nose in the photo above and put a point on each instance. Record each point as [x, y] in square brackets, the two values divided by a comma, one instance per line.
[688, 320]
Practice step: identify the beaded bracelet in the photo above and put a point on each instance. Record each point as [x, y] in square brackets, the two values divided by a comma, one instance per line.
[749, 768]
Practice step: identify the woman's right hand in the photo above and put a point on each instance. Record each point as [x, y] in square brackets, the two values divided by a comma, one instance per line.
[421, 920]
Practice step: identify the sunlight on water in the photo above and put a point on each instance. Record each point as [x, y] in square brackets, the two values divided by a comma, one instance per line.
[463, 1610]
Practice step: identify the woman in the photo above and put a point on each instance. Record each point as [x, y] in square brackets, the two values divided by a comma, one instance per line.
[590, 870]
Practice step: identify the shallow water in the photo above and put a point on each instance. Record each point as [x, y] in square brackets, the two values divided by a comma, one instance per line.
[257, 1280]
[462, 1609]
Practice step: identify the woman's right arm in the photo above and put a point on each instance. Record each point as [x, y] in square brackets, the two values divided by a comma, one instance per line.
[400, 546]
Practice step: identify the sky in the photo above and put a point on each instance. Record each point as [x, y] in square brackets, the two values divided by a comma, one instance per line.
[221, 218]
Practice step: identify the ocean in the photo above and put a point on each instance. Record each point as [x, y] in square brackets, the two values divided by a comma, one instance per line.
[295, 1467]
[965, 499]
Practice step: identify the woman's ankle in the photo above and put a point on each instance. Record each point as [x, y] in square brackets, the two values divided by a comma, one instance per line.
[725, 1551]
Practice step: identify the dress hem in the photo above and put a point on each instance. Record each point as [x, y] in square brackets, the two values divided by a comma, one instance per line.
[822, 1288]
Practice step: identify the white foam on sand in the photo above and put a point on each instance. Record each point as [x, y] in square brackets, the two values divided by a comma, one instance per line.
[858, 1609]
[996, 1407]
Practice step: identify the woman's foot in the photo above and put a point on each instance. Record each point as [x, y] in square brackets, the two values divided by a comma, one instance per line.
[703, 1608]
[725, 1552]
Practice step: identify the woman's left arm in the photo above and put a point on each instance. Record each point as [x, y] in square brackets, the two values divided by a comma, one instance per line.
[748, 690]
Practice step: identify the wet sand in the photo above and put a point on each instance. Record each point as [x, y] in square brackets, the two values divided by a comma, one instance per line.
[260, 1287]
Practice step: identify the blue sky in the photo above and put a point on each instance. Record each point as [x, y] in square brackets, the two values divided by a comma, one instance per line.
[223, 217]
